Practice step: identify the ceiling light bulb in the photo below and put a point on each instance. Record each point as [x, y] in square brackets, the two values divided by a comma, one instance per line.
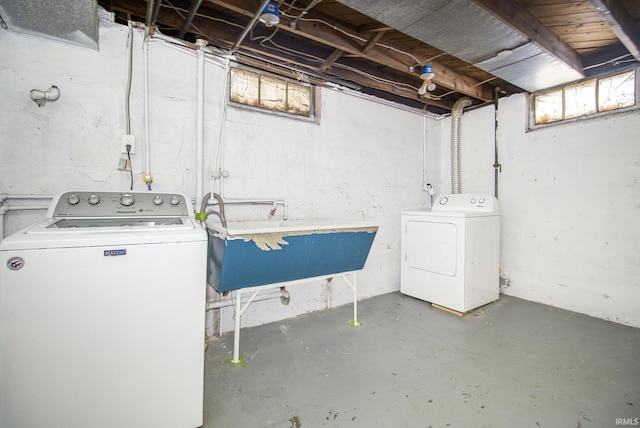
[270, 15]
[503, 53]
[426, 72]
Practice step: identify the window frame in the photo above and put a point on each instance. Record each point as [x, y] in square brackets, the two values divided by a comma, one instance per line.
[532, 125]
[313, 96]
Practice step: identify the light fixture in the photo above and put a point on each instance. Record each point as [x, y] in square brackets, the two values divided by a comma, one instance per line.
[426, 74]
[270, 15]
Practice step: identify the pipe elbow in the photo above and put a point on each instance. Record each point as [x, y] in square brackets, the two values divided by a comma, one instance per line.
[458, 107]
[41, 97]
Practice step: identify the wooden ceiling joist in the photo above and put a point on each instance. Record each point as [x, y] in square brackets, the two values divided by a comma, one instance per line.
[621, 24]
[521, 20]
[334, 36]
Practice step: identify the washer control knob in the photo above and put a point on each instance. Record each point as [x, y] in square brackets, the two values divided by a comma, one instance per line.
[174, 200]
[73, 199]
[94, 199]
[473, 200]
[158, 200]
[481, 200]
[444, 200]
[127, 200]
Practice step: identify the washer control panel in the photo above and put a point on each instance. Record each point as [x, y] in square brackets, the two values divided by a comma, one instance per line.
[120, 204]
[465, 202]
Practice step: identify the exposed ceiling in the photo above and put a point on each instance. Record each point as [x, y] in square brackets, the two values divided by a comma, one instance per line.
[480, 49]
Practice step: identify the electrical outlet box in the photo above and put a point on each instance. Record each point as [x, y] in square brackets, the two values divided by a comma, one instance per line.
[128, 140]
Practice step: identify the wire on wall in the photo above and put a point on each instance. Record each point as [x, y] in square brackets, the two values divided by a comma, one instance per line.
[127, 109]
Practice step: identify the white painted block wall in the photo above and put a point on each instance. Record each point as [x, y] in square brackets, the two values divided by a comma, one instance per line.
[570, 204]
[569, 194]
[361, 160]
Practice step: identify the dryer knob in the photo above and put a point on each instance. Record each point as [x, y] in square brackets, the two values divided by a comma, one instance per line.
[73, 199]
[444, 200]
[127, 199]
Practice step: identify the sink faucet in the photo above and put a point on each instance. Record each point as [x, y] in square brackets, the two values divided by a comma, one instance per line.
[220, 212]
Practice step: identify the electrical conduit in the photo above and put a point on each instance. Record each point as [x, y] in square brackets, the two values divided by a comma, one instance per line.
[200, 121]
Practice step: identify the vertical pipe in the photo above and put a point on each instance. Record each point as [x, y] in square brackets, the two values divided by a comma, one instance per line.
[146, 177]
[456, 119]
[236, 332]
[200, 122]
[355, 302]
[3, 211]
[496, 164]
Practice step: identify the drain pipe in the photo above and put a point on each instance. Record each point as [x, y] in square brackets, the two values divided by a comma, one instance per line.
[497, 168]
[456, 118]
[200, 121]
[147, 178]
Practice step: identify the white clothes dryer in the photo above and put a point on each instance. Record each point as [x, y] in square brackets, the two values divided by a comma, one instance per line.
[102, 309]
[450, 255]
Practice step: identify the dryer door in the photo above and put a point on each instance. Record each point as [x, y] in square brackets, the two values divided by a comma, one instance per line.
[432, 247]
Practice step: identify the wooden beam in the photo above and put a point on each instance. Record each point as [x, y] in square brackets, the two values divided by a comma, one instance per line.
[621, 23]
[224, 35]
[227, 34]
[332, 58]
[521, 20]
[375, 38]
[334, 37]
[373, 28]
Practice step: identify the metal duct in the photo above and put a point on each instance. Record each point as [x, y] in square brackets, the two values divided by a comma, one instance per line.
[456, 119]
[469, 32]
[73, 21]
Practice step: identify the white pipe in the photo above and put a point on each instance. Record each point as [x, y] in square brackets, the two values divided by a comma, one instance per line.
[456, 118]
[211, 56]
[147, 177]
[25, 207]
[200, 122]
[219, 172]
[217, 304]
[274, 202]
[5, 208]
[4, 197]
[41, 97]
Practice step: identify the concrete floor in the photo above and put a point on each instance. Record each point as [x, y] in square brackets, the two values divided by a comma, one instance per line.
[512, 363]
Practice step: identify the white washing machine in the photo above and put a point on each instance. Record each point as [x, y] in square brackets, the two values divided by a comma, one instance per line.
[102, 309]
[450, 255]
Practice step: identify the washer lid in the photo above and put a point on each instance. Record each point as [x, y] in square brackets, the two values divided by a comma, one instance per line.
[48, 234]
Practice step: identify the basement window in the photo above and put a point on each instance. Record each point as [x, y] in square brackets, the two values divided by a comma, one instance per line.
[269, 92]
[586, 98]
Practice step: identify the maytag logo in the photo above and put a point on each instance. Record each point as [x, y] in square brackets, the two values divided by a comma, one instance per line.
[15, 263]
[122, 252]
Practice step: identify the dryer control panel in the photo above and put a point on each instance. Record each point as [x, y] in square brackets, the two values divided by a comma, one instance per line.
[477, 202]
